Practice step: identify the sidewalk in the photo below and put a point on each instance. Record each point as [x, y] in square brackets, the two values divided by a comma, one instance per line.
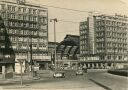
[113, 82]
[15, 79]
[42, 75]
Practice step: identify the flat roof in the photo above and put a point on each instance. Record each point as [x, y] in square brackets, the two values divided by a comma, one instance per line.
[26, 4]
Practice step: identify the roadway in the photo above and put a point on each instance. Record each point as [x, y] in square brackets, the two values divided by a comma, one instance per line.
[93, 80]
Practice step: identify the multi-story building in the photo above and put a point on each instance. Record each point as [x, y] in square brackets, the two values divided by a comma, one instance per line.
[7, 56]
[106, 36]
[27, 28]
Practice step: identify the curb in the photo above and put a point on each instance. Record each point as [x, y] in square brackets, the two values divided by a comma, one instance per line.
[105, 87]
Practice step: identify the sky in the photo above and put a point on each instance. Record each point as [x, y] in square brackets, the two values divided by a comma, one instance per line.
[63, 28]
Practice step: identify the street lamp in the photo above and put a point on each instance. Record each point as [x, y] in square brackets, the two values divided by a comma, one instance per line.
[21, 65]
[31, 61]
[114, 56]
[54, 20]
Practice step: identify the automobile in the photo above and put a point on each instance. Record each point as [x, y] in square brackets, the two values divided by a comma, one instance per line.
[84, 70]
[59, 75]
[79, 72]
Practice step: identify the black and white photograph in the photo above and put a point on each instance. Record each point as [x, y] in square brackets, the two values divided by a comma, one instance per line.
[63, 44]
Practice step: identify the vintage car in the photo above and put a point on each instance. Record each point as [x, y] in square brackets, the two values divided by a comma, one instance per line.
[79, 72]
[59, 74]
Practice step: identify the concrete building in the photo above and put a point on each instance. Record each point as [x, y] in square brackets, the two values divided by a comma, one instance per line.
[7, 55]
[103, 41]
[27, 28]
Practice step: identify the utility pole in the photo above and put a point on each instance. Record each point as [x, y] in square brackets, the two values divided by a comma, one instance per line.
[54, 21]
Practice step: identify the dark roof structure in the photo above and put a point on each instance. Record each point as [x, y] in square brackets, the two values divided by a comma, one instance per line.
[69, 46]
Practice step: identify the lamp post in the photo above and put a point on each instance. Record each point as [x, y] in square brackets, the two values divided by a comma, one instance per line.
[21, 65]
[31, 61]
[54, 21]
[114, 56]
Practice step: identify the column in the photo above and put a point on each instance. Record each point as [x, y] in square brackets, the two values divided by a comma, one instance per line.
[97, 66]
[3, 72]
[88, 65]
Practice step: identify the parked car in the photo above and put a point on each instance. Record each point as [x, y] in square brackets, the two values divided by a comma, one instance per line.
[84, 70]
[59, 75]
[79, 72]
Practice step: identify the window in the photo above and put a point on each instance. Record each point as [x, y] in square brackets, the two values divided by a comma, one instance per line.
[34, 11]
[30, 10]
[43, 12]
[35, 18]
[31, 25]
[24, 9]
[2, 6]
[19, 9]
[2, 37]
[20, 16]
[24, 17]
[43, 27]
[30, 18]
[13, 16]
[9, 7]
[20, 39]
[13, 8]
[3, 15]
[24, 25]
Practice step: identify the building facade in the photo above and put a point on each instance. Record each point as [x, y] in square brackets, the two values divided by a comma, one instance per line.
[27, 27]
[108, 38]
[7, 55]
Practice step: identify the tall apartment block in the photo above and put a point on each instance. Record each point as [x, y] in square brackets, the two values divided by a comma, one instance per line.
[103, 41]
[27, 27]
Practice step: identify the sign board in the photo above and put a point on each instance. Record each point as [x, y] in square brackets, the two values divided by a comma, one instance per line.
[21, 1]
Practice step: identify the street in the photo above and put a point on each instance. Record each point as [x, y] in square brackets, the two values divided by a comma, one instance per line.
[98, 80]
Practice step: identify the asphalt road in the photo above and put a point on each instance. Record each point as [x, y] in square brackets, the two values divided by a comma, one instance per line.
[93, 80]
[70, 82]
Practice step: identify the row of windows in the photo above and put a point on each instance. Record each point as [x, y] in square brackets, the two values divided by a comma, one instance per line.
[24, 17]
[111, 28]
[116, 34]
[83, 31]
[114, 57]
[83, 36]
[26, 32]
[83, 42]
[82, 27]
[117, 45]
[116, 17]
[100, 39]
[116, 51]
[100, 44]
[25, 25]
[24, 39]
[116, 40]
[107, 22]
[26, 46]
[13, 8]
[100, 34]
